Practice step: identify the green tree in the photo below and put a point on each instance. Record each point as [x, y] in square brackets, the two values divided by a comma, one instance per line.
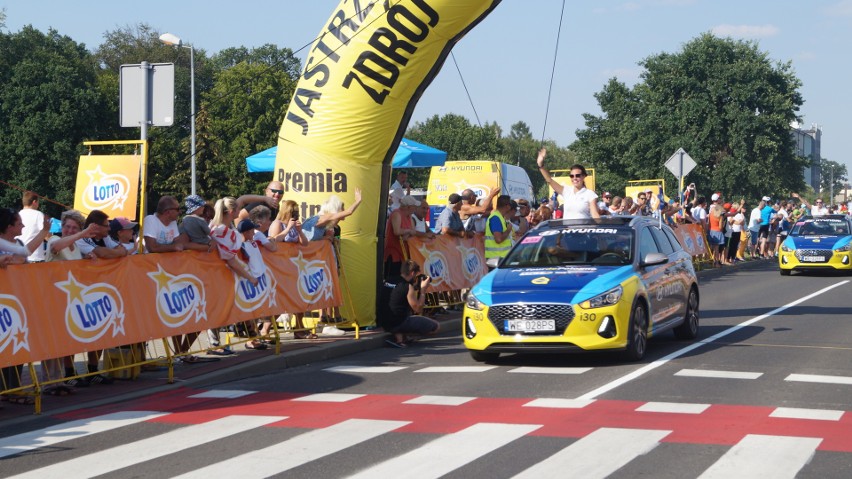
[169, 153]
[458, 137]
[49, 104]
[722, 100]
[832, 171]
[241, 115]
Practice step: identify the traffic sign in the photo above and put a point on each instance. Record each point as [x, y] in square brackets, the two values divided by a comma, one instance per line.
[159, 108]
[680, 163]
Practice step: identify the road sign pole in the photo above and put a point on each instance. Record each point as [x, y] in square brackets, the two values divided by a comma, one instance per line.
[680, 179]
[146, 86]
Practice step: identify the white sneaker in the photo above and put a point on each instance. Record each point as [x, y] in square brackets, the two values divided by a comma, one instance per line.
[332, 331]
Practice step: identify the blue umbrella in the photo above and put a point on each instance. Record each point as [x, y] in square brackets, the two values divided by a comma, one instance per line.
[409, 154]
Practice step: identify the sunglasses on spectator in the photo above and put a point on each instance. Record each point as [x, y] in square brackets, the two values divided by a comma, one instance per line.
[280, 192]
[578, 175]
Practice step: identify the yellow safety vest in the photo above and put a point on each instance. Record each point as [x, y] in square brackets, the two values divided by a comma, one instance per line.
[493, 249]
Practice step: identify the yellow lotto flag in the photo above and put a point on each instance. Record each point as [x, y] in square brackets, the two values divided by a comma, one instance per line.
[362, 78]
[109, 183]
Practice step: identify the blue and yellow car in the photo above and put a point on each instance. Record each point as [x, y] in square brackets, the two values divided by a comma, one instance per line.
[584, 285]
[817, 243]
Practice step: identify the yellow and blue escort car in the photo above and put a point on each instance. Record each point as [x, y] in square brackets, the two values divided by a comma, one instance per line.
[584, 285]
[817, 243]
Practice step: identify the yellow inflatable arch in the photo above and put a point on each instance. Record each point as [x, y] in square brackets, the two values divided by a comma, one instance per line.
[363, 77]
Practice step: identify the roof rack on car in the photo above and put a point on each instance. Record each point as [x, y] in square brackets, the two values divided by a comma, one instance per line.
[606, 220]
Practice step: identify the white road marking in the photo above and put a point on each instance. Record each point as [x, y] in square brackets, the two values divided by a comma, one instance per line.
[440, 400]
[597, 455]
[222, 394]
[447, 453]
[673, 407]
[817, 378]
[541, 370]
[72, 430]
[298, 450]
[662, 361]
[329, 397]
[709, 373]
[366, 369]
[455, 369]
[760, 456]
[559, 403]
[126, 455]
[802, 413]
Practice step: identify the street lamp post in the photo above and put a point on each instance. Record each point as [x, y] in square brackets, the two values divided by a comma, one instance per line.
[171, 39]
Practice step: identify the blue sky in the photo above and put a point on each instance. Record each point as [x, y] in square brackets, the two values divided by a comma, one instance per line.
[506, 60]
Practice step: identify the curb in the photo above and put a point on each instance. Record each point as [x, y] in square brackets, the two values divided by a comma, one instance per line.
[261, 366]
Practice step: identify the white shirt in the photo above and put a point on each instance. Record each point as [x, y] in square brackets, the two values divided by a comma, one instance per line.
[255, 259]
[576, 203]
[130, 247]
[419, 225]
[754, 220]
[11, 247]
[700, 214]
[819, 211]
[737, 224]
[162, 234]
[397, 192]
[33, 221]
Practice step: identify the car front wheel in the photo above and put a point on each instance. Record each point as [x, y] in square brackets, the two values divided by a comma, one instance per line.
[638, 340]
[689, 328]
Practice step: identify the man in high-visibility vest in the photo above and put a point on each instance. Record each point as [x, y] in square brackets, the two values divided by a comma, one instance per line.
[498, 231]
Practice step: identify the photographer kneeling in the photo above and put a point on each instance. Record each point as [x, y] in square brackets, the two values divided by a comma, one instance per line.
[406, 303]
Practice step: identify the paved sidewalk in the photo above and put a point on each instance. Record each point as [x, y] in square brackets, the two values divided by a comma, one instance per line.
[245, 363]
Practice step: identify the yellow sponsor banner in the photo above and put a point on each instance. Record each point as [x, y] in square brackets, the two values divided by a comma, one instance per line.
[109, 183]
[362, 78]
[452, 262]
[90, 305]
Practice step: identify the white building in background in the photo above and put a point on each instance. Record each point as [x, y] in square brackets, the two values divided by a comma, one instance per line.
[808, 145]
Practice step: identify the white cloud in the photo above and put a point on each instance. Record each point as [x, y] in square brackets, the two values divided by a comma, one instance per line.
[805, 56]
[842, 8]
[745, 31]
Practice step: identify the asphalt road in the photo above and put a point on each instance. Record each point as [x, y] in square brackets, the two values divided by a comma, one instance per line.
[766, 391]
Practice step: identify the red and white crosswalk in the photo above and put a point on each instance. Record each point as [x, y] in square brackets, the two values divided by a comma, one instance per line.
[752, 440]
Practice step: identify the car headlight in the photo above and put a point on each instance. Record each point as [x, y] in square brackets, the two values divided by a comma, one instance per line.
[474, 303]
[786, 248]
[844, 249]
[606, 299]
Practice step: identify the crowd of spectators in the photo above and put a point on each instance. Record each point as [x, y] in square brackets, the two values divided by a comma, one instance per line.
[235, 229]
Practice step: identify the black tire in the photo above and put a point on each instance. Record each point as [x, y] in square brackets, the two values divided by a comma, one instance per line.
[637, 342]
[785, 272]
[483, 357]
[689, 328]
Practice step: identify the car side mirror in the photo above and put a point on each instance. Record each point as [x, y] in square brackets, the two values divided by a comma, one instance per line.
[492, 262]
[653, 259]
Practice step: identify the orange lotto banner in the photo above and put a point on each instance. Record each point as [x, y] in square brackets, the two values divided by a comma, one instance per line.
[452, 262]
[691, 237]
[109, 183]
[50, 310]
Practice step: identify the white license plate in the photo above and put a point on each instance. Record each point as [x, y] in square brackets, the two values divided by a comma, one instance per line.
[813, 259]
[530, 325]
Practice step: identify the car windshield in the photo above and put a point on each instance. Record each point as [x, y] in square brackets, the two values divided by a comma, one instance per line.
[572, 245]
[821, 227]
